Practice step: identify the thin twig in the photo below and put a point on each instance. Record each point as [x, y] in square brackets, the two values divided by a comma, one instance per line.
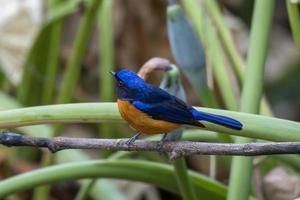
[173, 149]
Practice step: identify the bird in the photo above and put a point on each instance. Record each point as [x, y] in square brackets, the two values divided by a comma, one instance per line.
[151, 110]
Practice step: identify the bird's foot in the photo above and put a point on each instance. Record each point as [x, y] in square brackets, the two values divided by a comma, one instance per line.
[131, 140]
[159, 147]
[161, 143]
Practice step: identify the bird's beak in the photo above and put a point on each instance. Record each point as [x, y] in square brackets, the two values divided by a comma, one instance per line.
[112, 73]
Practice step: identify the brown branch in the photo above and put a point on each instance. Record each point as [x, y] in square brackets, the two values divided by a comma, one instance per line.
[173, 149]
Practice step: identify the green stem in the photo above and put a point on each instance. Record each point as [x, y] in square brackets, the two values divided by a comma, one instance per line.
[221, 74]
[183, 180]
[53, 60]
[42, 192]
[106, 62]
[84, 189]
[294, 18]
[234, 57]
[210, 42]
[75, 60]
[27, 72]
[106, 50]
[125, 169]
[261, 27]
[33, 69]
[239, 188]
[53, 55]
[254, 126]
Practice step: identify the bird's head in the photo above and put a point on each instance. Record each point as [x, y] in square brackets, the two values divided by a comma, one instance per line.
[129, 85]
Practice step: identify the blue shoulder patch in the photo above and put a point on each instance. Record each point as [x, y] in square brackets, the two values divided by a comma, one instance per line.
[170, 110]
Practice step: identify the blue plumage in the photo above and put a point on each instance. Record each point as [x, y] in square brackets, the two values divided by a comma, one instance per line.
[218, 119]
[161, 105]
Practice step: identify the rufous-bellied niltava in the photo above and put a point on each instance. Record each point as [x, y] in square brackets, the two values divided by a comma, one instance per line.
[151, 110]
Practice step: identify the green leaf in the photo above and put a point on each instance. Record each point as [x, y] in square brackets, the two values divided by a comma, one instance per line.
[8, 102]
[254, 126]
[124, 169]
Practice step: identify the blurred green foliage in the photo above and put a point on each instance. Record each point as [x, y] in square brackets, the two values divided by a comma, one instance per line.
[200, 41]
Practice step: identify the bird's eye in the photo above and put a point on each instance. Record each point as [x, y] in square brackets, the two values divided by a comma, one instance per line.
[120, 83]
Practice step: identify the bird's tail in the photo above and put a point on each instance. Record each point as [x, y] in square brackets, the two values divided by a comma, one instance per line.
[218, 119]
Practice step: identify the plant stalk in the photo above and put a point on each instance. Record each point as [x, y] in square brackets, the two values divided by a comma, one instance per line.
[294, 19]
[254, 126]
[241, 170]
[78, 52]
[124, 169]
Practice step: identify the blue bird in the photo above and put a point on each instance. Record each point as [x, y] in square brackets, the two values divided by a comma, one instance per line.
[151, 110]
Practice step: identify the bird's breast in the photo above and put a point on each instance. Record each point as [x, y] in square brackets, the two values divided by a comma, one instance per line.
[142, 122]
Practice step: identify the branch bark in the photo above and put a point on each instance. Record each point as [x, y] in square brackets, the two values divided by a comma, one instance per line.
[173, 149]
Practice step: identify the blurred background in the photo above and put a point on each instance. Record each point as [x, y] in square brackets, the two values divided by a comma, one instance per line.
[40, 43]
[140, 33]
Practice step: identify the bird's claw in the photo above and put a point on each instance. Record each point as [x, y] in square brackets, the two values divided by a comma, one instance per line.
[131, 140]
[161, 144]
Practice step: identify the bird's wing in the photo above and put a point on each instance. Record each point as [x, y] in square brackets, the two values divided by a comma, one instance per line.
[171, 110]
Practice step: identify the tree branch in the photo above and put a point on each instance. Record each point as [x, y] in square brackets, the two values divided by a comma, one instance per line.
[173, 149]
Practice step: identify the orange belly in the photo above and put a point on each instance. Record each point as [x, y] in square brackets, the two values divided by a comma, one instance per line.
[142, 122]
